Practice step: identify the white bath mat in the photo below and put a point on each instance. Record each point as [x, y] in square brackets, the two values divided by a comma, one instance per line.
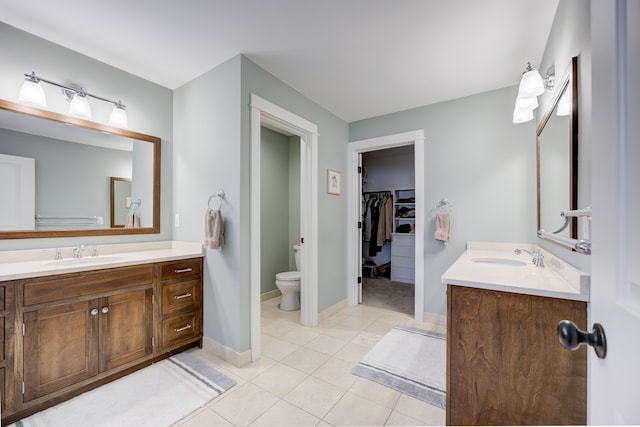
[158, 395]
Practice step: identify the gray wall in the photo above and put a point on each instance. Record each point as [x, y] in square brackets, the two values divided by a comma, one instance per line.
[207, 159]
[294, 197]
[149, 108]
[332, 153]
[212, 139]
[481, 162]
[571, 36]
[274, 207]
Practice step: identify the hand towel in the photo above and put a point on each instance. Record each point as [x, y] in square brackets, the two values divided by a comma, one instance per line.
[132, 220]
[443, 227]
[213, 229]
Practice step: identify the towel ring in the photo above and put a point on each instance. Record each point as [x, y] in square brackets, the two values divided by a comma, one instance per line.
[220, 196]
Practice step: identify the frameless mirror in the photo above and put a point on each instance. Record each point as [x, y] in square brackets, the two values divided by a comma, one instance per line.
[56, 172]
[557, 158]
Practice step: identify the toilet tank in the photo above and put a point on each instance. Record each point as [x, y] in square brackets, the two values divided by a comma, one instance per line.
[297, 249]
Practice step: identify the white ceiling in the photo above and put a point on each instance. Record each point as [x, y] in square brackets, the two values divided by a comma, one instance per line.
[356, 58]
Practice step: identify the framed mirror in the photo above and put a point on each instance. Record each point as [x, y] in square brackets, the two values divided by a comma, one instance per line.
[121, 201]
[58, 172]
[557, 158]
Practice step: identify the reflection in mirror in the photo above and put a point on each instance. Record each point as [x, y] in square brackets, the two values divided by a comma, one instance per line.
[120, 200]
[62, 185]
[557, 145]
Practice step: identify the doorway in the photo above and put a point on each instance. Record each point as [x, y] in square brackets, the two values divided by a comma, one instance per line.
[269, 115]
[356, 149]
[388, 229]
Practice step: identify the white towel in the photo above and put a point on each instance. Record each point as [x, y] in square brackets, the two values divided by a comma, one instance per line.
[213, 229]
[443, 227]
[132, 220]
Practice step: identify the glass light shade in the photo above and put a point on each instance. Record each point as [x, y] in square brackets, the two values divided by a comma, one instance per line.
[32, 93]
[564, 105]
[526, 103]
[118, 117]
[522, 116]
[80, 106]
[531, 84]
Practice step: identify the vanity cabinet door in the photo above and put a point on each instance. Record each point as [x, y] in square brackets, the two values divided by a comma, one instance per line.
[60, 347]
[126, 328]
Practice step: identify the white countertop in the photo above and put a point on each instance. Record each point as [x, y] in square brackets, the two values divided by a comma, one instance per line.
[40, 262]
[556, 279]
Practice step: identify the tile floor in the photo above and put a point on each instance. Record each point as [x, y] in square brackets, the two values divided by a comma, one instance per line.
[304, 376]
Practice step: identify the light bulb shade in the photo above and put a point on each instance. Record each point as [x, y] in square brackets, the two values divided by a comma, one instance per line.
[526, 104]
[522, 116]
[118, 117]
[531, 84]
[80, 107]
[32, 93]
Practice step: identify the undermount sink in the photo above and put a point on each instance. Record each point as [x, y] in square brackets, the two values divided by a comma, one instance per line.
[502, 262]
[84, 261]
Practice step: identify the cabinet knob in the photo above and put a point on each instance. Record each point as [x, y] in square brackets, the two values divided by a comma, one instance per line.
[571, 337]
[105, 309]
[94, 311]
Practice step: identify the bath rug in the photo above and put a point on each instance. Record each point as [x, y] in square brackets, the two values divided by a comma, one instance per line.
[158, 395]
[411, 361]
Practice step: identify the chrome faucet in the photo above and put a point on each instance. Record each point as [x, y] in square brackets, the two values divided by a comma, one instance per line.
[77, 252]
[58, 255]
[538, 258]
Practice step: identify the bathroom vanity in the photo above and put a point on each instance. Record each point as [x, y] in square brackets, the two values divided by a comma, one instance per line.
[505, 365]
[73, 324]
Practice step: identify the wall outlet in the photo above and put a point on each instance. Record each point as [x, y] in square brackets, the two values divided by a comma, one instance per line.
[99, 220]
[177, 220]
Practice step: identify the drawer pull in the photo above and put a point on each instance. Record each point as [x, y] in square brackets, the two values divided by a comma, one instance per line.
[184, 328]
[105, 310]
[183, 270]
[187, 295]
[94, 311]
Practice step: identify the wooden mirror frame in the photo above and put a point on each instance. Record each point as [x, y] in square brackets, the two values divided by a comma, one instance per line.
[74, 121]
[570, 81]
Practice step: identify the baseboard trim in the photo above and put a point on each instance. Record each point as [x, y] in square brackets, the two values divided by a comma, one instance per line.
[328, 312]
[239, 360]
[270, 295]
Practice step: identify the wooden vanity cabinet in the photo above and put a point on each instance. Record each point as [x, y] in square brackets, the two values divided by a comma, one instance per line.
[505, 365]
[181, 305]
[7, 344]
[68, 333]
[79, 325]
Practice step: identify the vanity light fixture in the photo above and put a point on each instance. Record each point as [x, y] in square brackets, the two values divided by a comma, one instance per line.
[32, 92]
[531, 86]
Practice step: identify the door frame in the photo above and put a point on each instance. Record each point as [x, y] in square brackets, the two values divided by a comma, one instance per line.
[415, 138]
[265, 113]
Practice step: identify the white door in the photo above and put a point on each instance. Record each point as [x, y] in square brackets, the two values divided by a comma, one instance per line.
[615, 288]
[17, 193]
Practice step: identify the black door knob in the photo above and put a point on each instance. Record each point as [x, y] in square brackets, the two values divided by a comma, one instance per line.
[571, 337]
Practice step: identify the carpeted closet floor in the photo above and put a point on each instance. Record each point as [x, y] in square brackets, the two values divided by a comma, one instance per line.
[381, 292]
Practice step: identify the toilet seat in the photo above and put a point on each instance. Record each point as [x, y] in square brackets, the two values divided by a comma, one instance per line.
[288, 276]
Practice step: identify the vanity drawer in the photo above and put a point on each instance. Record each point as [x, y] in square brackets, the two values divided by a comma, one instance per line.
[180, 296]
[178, 329]
[61, 287]
[182, 269]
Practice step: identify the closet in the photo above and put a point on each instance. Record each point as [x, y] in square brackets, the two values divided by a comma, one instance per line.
[388, 228]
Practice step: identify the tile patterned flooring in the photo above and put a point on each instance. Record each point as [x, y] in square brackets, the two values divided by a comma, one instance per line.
[304, 376]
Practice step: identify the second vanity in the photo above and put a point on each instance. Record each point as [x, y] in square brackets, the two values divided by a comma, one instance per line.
[505, 365]
[70, 325]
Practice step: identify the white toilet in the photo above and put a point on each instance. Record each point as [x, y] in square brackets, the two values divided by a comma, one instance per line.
[289, 284]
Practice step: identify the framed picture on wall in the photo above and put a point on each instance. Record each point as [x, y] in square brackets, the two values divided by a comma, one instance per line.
[334, 182]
